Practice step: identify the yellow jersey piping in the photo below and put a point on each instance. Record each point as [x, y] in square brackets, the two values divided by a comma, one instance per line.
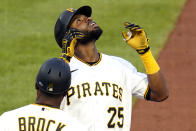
[45, 106]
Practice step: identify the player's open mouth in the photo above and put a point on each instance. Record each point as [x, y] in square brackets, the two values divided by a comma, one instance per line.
[93, 24]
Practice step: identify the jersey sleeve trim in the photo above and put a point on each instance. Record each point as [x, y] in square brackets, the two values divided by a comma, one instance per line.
[146, 93]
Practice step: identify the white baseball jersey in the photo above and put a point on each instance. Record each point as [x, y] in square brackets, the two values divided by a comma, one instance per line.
[35, 117]
[100, 95]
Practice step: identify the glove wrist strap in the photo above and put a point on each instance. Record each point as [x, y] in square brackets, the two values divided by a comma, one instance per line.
[143, 51]
[150, 63]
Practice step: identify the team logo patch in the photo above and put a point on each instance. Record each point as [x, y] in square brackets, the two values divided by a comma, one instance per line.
[50, 87]
[74, 70]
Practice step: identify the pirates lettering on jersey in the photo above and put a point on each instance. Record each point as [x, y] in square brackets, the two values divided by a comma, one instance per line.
[38, 124]
[98, 89]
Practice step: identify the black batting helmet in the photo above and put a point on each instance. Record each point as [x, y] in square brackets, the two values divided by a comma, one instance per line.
[63, 21]
[54, 77]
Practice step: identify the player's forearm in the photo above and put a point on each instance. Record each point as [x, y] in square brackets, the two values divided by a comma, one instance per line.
[158, 86]
[157, 83]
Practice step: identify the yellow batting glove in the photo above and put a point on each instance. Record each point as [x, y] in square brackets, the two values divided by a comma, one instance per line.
[68, 44]
[136, 38]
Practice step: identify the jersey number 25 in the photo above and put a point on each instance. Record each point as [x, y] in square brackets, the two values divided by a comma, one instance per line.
[116, 111]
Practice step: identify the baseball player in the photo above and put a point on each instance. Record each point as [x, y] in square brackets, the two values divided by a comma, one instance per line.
[52, 83]
[102, 86]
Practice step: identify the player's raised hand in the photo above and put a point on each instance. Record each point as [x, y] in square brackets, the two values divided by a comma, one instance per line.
[69, 42]
[136, 37]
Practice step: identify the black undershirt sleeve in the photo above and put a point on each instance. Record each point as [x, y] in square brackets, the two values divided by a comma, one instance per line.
[148, 94]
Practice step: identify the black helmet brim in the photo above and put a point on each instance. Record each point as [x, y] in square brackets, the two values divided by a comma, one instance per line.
[85, 10]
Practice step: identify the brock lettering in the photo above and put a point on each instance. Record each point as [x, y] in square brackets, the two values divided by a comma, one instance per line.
[38, 124]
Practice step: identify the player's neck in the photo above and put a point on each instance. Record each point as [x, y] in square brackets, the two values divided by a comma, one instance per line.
[42, 99]
[87, 53]
[53, 106]
[51, 103]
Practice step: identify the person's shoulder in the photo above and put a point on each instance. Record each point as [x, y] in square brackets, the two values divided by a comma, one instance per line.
[75, 62]
[73, 123]
[115, 58]
[119, 60]
[62, 114]
[66, 116]
[14, 111]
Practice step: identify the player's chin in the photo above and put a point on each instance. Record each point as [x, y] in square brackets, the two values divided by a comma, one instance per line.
[97, 32]
[91, 36]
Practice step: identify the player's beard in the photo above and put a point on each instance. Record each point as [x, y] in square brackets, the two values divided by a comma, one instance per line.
[90, 36]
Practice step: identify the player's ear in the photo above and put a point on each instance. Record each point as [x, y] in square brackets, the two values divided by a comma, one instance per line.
[36, 86]
[38, 93]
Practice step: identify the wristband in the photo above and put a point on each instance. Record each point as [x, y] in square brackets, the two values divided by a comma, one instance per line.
[150, 63]
[143, 51]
